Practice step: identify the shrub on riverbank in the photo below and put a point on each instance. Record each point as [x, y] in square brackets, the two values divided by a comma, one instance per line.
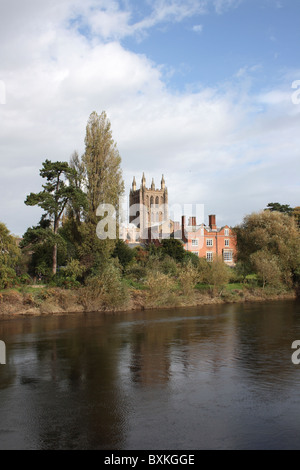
[49, 301]
[268, 245]
[160, 290]
[188, 276]
[105, 290]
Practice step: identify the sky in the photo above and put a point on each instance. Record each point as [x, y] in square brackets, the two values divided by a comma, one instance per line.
[206, 92]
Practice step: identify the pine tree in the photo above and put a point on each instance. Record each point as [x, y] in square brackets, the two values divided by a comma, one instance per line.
[57, 192]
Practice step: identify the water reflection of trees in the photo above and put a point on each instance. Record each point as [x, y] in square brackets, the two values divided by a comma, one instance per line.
[72, 388]
[75, 400]
[264, 334]
[156, 344]
[255, 338]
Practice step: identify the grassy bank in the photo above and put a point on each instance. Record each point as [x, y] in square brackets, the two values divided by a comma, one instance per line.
[43, 300]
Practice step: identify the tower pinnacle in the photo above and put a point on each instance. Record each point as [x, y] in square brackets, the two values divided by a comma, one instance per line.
[143, 180]
[134, 184]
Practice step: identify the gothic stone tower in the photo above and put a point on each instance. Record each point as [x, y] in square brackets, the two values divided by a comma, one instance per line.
[148, 206]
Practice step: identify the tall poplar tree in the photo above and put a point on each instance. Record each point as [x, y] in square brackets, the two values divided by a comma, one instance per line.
[75, 206]
[102, 165]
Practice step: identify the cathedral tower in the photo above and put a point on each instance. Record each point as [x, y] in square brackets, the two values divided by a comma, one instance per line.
[148, 206]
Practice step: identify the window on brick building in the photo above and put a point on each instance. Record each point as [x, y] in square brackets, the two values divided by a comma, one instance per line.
[195, 253]
[226, 232]
[195, 242]
[227, 255]
[209, 242]
[209, 256]
[226, 242]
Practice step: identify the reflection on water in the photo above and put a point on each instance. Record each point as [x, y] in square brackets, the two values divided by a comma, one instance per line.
[215, 377]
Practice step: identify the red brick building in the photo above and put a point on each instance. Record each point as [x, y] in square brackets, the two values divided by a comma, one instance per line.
[150, 222]
[209, 241]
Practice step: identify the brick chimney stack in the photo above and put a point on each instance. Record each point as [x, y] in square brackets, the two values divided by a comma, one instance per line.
[192, 222]
[212, 222]
[183, 237]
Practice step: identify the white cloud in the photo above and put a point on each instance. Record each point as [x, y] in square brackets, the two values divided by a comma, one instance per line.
[213, 146]
[198, 28]
[108, 21]
[222, 6]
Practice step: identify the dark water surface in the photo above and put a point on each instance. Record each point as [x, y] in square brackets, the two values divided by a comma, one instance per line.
[215, 377]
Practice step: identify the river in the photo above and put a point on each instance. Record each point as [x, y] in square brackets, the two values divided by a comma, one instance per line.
[211, 377]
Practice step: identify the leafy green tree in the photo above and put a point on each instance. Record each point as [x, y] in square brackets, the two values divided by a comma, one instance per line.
[104, 185]
[284, 208]
[218, 275]
[275, 235]
[106, 289]
[169, 266]
[92, 252]
[9, 250]
[203, 270]
[160, 289]
[57, 192]
[37, 245]
[296, 214]
[69, 275]
[102, 165]
[10, 255]
[123, 252]
[76, 206]
[267, 268]
[173, 248]
[188, 276]
[73, 269]
[241, 272]
[191, 257]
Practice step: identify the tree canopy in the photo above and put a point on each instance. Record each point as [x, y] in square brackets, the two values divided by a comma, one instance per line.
[9, 249]
[57, 192]
[269, 238]
[10, 255]
[276, 206]
[102, 165]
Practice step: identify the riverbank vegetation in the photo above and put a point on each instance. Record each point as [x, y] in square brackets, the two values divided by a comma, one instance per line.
[146, 277]
[61, 265]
